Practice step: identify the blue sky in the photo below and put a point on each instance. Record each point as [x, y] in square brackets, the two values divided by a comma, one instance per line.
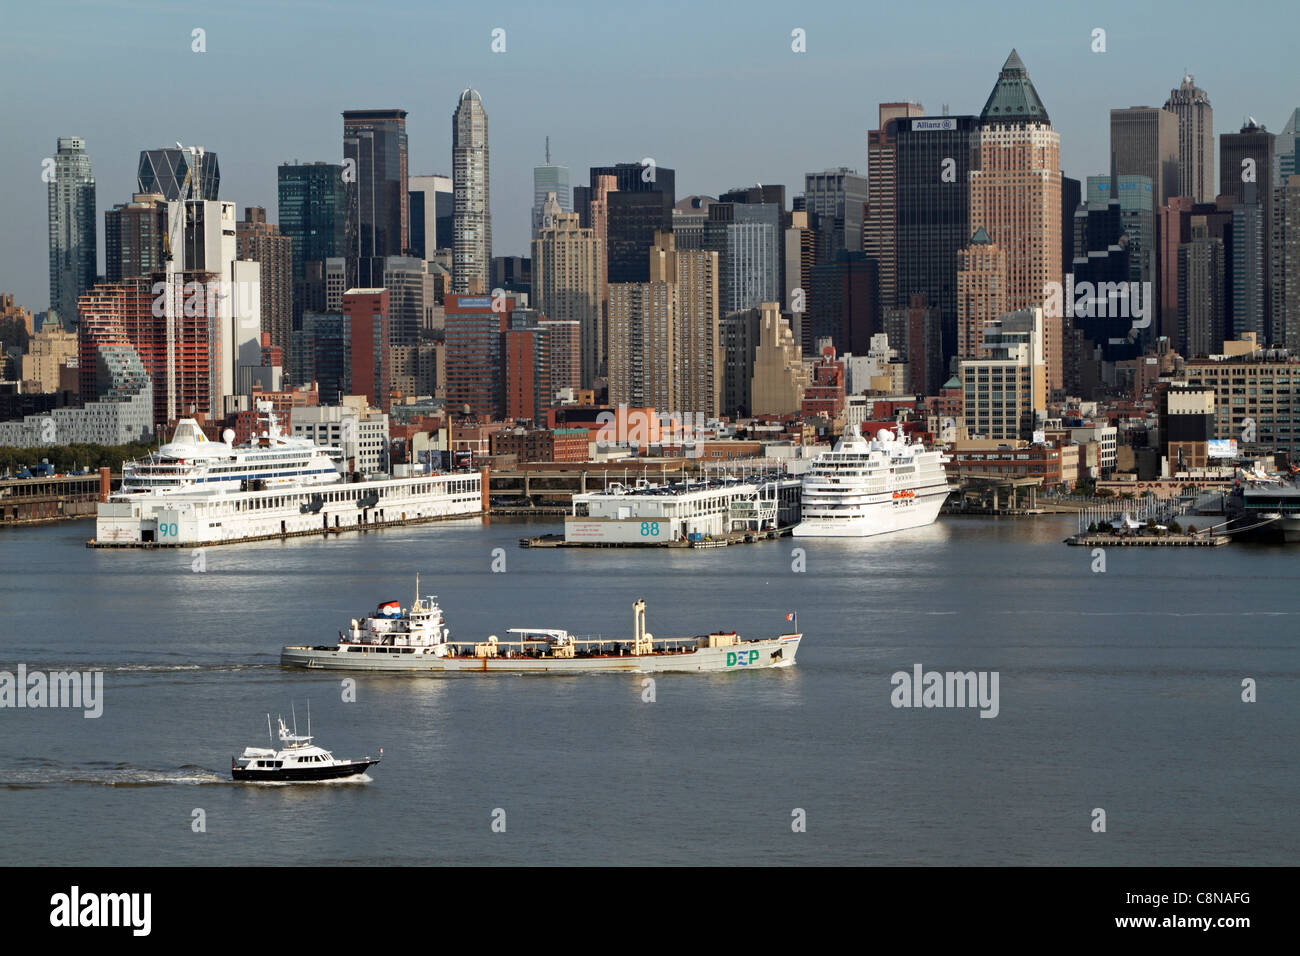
[712, 90]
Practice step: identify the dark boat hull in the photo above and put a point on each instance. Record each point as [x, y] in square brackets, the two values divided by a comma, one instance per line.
[302, 774]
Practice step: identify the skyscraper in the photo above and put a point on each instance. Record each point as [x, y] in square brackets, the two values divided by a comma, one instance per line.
[133, 237]
[550, 178]
[375, 168]
[432, 214]
[878, 225]
[639, 205]
[73, 253]
[566, 285]
[261, 242]
[1015, 194]
[1246, 175]
[844, 304]
[932, 214]
[664, 343]
[180, 172]
[1191, 105]
[313, 214]
[1201, 292]
[1286, 263]
[837, 197]
[981, 293]
[1144, 141]
[471, 179]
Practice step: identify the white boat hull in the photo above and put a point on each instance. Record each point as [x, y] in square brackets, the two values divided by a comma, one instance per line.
[748, 655]
[880, 517]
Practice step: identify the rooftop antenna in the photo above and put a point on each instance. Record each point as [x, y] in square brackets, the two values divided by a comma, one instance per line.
[548, 151]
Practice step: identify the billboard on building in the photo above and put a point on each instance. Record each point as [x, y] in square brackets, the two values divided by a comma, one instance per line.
[1223, 448]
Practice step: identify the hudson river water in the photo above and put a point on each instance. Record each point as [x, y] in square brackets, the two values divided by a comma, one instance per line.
[1119, 690]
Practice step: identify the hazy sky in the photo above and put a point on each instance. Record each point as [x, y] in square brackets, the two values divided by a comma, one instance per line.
[712, 90]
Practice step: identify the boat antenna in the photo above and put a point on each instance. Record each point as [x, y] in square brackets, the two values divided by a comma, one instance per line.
[293, 708]
[309, 717]
[269, 738]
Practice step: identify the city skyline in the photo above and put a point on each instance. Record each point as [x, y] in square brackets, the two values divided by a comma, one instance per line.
[624, 121]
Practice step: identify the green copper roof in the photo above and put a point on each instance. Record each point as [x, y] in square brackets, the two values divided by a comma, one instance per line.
[953, 382]
[1014, 99]
[981, 238]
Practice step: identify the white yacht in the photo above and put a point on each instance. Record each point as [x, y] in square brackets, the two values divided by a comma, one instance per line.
[195, 492]
[297, 760]
[192, 463]
[865, 487]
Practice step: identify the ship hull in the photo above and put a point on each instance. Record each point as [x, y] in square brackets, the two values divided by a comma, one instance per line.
[880, 517]
[750, 655]
[303, 774]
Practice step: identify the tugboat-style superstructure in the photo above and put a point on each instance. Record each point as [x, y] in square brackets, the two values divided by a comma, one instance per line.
[297, 761]
[417, 639]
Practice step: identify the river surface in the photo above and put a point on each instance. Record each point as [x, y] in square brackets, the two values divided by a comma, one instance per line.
[1118, 690]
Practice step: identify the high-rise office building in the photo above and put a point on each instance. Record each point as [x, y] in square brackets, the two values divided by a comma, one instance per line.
[1286, 264]
[1136, 196]
[567, 265]
[133, 237]
[313, 211]
[981, 293]
[366, 313]
[664, 345]
[550, 178]
[639, 205]
[1246, 175]
[780, 378]
[258, 241]
[1005, 392]
[1286, 147]
[1144, 142]
[1173, 229]
[1191, 105]
[1248, 267]
[1202, 269]
[73, 252]
[433, 213]
[377, 219]
[410, 299]
[844, 303]
[916, 329]
[747, 238]
[472, 184]
[878, 224]
[1072, 195]
[475, 335]
[838, 197]
[933, 213]
[177, 350]
[180, 172]
[694, 277]
[1015, 194]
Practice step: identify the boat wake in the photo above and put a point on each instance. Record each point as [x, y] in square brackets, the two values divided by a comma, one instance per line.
[105, 775]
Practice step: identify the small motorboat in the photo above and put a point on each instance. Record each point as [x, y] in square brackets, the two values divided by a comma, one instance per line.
[297, 761]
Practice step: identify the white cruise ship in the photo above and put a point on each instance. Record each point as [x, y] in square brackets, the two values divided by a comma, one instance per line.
[193, 492]
[865, 487]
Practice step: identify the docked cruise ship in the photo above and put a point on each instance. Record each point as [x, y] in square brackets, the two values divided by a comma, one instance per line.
[865, 487]
[193, 492]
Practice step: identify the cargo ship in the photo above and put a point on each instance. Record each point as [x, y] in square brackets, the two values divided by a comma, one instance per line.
[416, 639]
